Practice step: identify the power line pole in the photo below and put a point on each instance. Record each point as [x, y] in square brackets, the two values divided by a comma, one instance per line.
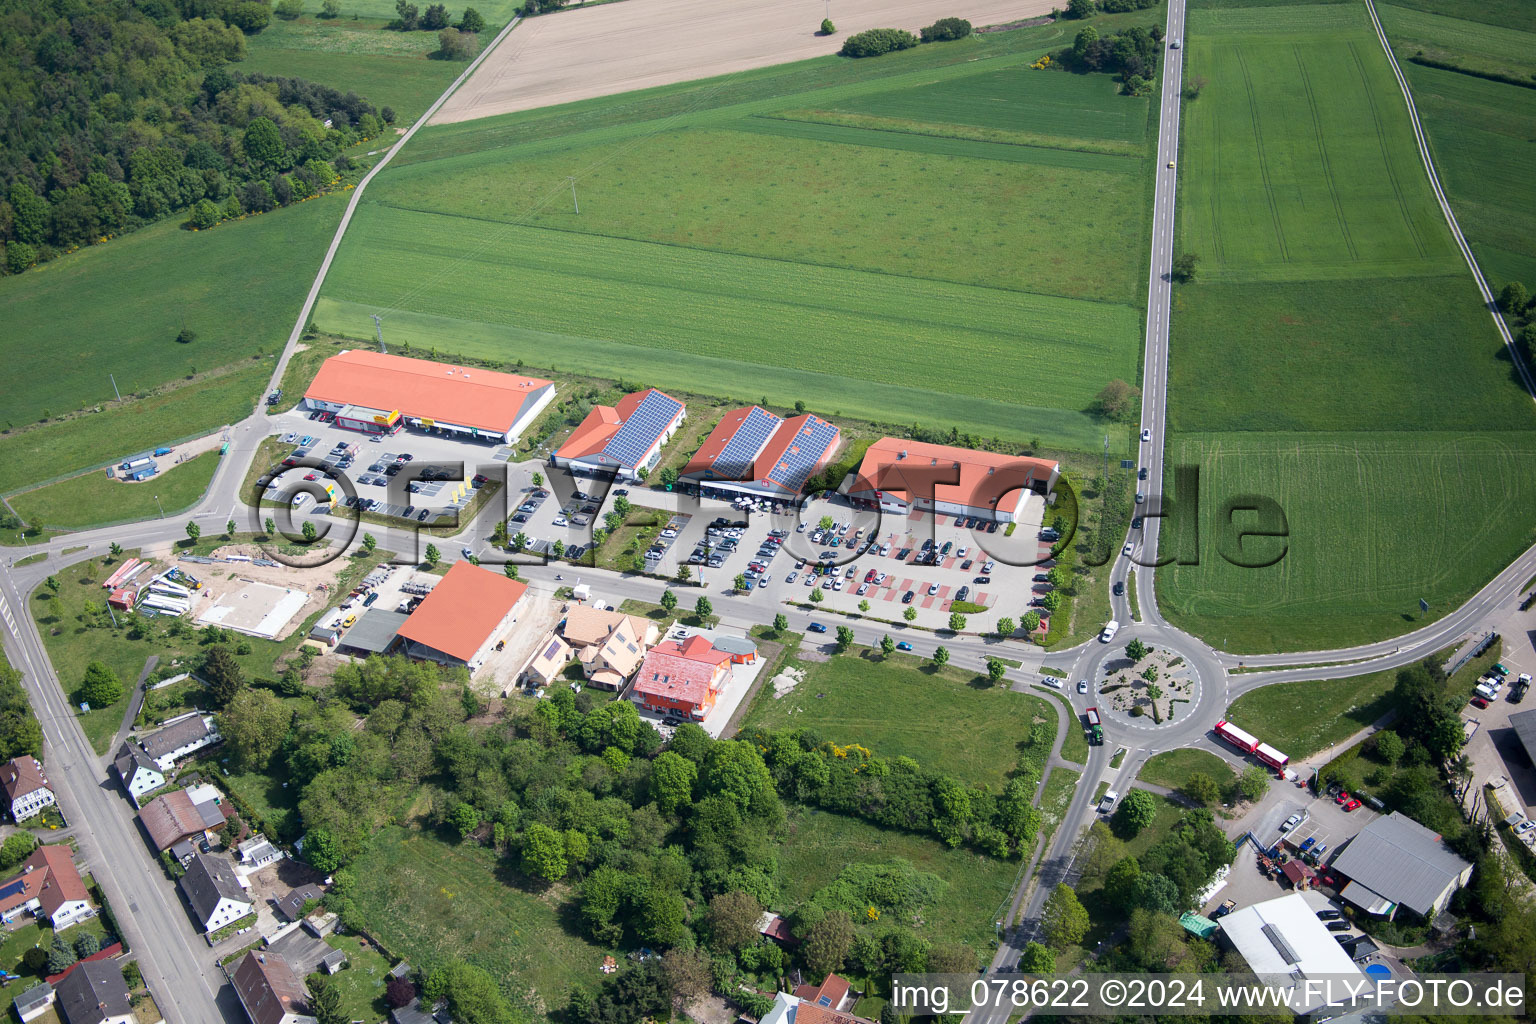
[114, 387]
[379, 327]
[574, 203]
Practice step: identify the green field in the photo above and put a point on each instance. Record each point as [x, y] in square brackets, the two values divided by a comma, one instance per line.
[1516, 14]
[1479, 132]
[1303, 718]
[1172, 768]
[238, 286]
[1333, 354]
[950, 720]
[1376, 521]
[94, 500]
[389, 69]
[716, 215]
[495, 12]
[426, 900]
[818, 845]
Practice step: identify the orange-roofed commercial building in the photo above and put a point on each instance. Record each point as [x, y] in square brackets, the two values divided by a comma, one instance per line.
[377, 393]
[622, 439]
[682, 677]
[754, 453]
[463, 618]
[901, 476]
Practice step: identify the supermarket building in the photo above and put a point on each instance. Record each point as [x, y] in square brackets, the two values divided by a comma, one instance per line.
[377, 393]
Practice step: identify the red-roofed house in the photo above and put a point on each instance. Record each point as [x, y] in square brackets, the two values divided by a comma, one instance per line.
[832, 993]
[622, 439]
[25, 786]
[376, 393]
[461, 620]
[901, 475]
[682, 677]
[269, 990]
[752, 452]
[49, 886]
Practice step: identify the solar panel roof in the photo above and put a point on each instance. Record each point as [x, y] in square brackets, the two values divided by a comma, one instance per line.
[800, 458]
[735, 461]
[649, 421]
[13, 888]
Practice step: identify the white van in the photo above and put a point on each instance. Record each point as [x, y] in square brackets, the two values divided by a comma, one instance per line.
[1110, 629]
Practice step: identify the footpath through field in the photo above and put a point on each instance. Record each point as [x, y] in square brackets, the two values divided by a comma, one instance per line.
[617, 47]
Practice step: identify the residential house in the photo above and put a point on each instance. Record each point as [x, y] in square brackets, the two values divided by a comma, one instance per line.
[834, 993]
[179, 738]
[34, 1002]
[610, 664]
[269, 990]
[95, 993]
[173, 817]
[826, 1003]
[292, 905]
[776, 928]
[49, 886]
[25, 786]
[138, 772]
[682, 677]
[215, 894]
[1394, 861]
[414, 1013]
[256, 852]
[547, 661]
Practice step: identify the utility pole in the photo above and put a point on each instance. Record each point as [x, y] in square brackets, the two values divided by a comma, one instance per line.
[574, 203]
[1106, 465]
[114, 387]
[379, 327]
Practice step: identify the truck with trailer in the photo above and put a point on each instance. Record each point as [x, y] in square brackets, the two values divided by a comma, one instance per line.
[1095, 726]
[136, 462]
[1272, 757]
[1244, 741]
[162, 451]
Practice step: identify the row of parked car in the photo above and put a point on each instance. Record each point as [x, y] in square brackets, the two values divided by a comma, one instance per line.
[1492, 684]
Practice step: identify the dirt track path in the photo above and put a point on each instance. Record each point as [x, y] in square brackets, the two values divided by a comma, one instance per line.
[576, 55]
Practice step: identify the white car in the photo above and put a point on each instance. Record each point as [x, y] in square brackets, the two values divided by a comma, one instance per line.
[562, 521]
[1129, 547]
[933, 589]
[986, 567]
[1524, 827]
[837, 584]
[790, 578]
[863, 589]
[1146, 433]
[961, 552]
[1110, 629]
[885, 549]
[1082, 686]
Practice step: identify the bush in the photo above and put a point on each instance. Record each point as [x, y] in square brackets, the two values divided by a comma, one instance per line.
[100, 688]
[876, 41]
[455, 45]
[946, 29]
[19, 256]
[289, 9]
[827, 28]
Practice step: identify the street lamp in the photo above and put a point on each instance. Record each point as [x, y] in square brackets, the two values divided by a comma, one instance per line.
[159, 506]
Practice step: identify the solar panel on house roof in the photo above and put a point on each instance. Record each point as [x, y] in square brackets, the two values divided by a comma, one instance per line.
[650, 419]
[801, 456]
[736, 458]
[13, 888]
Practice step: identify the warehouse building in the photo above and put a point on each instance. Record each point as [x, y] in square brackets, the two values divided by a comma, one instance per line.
[1285, 943]
[1394, 861]
[753, 453]
[901, 476]
[467, 613]
[375, 393]
[624, 439]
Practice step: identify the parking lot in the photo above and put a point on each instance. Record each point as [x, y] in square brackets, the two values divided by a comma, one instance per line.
[412, 469]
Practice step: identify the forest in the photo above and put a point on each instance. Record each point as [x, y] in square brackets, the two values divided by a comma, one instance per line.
[118, 114]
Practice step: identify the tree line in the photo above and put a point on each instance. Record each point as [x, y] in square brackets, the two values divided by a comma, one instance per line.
[1131, 54]
[120, 114]
[873, 42]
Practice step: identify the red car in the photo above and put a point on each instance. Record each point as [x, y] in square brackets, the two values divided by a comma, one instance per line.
[1353, 803]
[311, 476]
[869, 577]
[1342, 798]
[1480, 702]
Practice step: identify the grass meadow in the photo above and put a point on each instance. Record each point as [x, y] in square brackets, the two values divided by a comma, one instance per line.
[426, 900]
[1333, 354]
[1172, 768]
[93, 499]
[950, 720]
[929, 272]
[387, 68]
[1303, 718]
[495, 12]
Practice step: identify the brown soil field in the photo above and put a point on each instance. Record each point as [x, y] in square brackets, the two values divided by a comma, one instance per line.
[618, 47]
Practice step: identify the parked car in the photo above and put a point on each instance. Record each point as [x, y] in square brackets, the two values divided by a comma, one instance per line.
[816, 627]
[1328, 915]
[1353, 805]
[908, 596]
[962, 593]
[1343, 797]
[933, 588]
[982, 579]
[1339, 926]
[1480, 702]
[1293, 821]
[1223, 910]
[1308, 843]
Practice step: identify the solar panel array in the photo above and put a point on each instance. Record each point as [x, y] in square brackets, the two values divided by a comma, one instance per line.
[735, 460]
[800, 458]
[13, 888]
[650, 420]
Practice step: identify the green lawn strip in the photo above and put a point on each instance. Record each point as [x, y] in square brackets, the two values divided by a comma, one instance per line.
[425, 900]
[1479, 133]
[1501, 49]
[947, 130]
[236, 286]
[95, 500]
[1172, 768]
[817, 846]
[1303, 718]
[1366, 515]
[1055, 800]
[949, 719]
[1075, 746]
[1515, 14]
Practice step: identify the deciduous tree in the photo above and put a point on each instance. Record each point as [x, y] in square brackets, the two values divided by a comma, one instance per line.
[100, 687]
[1063, 920]
[1136, 811]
